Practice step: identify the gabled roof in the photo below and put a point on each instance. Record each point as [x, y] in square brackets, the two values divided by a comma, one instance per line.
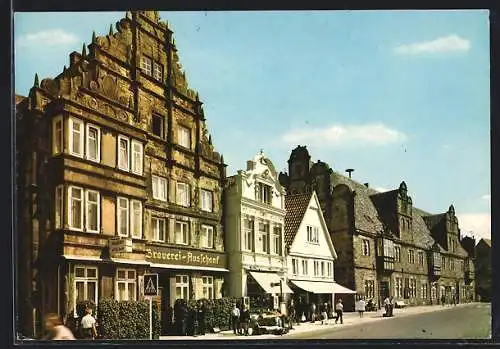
[365, 213]
[487, 241]
[296, 206]
[19, 98]
[421, 233]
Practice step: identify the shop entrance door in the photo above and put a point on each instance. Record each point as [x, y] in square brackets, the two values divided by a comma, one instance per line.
[384, 291]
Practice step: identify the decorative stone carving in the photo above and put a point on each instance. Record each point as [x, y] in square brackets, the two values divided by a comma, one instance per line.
[94, 86]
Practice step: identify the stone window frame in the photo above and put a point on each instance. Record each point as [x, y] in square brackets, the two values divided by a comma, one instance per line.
[119, 156]
[147, 65]
[365, 247]
[98, 209]
[184, 232]
[59, 207]
[57, 135]
[206, 200]
[305, 271]
[155, 225]
[186, 143]
[207, 240]
[132, 219]
[136, 168]
[98, 142]
[159, 179]
[81, 137]
[70, 207]
[295, 266]
[178, 199]
[248, 234]
[119, 212]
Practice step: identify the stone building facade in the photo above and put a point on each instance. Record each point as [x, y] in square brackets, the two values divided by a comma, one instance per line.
[116, 176]
[385, 246]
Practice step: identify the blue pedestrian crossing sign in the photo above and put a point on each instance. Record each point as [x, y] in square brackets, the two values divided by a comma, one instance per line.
[150, 284]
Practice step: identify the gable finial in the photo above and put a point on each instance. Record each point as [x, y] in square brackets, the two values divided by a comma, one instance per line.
[210, 139]
[84, 50]
[128, 15]
[110, 30]
[94, 38]
[36, 83]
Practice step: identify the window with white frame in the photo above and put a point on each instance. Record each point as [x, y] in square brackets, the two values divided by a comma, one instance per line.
[264, 193]
[366, 247]
[305, 264]
[137, 156]
[157, 71]
[397, 253]
[206, 200]
[146, 65]
[59, 207]
[92, 204]
[264, 236]
[424, 290]
[207, 236]
[208, 287]
[420, 258]
[93, 143]
[182, 287]
[126, 285]
[159, 229]
[295, 266]
[159, 188]
[136, 218]
[184, 137]
[452, 264]
[369, 288]
[312, 234]
[76, 137]
[181, 233]
[85, 284]
[277, 239]
[413, 287]
[123, 153]
[316, 268]
[328, 269]
[182, 194]
[398, 288]
[411, 256]
[57, 135]
[123, 216]
[75, 199]
[248, 234]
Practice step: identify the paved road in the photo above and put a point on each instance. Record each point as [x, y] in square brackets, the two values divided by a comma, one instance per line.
[467, 322]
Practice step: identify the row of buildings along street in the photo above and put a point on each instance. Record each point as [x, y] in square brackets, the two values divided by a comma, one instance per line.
[117, 176]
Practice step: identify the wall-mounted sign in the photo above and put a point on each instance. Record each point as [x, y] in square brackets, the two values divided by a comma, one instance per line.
[179, 256]
[118, 244]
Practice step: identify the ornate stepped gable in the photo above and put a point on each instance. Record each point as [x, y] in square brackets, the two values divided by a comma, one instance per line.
[106, 77]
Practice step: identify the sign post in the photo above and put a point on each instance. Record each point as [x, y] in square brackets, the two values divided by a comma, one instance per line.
[150, 290]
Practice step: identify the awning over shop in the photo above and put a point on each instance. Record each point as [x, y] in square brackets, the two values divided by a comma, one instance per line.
[266, 279]
[321, 287]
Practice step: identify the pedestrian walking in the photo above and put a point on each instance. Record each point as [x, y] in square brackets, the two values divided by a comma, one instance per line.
[201, 318]
[324, 314]
[244, 320]
[387, 305]
[55, 328]
[339, 310]
[443, 299]
[291, 313]
[235, 318]
[88, 328]
[313, 312]
[360, 307]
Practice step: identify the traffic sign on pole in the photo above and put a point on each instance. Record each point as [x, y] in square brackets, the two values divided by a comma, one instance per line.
[150, 284]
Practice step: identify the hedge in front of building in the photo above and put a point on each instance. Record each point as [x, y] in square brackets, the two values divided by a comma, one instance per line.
[126, 319]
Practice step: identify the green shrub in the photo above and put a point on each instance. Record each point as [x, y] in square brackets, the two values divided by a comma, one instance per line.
[126, 319]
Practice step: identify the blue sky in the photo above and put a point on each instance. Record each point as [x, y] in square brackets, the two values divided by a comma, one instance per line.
[396, 95]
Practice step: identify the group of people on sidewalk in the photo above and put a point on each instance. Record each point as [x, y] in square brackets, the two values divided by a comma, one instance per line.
[240, 320]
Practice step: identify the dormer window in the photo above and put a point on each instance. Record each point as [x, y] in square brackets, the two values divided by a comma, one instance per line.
[263, 193]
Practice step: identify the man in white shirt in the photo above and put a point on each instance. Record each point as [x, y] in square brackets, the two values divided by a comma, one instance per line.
[235, 318]
[339, 309]
[88, 325]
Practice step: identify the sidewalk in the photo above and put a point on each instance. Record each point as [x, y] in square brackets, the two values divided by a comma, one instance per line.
[350, 319]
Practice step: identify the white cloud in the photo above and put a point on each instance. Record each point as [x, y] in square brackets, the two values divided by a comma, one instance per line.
[337, 134]
[381, 189]
[50, 37]
[479, 224]
[486, 197]
[444, 44]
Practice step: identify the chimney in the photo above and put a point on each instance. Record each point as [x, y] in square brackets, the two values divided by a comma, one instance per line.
[367, 185]
[250, 165]
[349, 170]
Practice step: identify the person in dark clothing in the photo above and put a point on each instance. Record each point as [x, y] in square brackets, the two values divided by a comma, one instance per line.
[339, 309]
[181, 318]
[244, 320]
[291, 313]
[201, 318]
